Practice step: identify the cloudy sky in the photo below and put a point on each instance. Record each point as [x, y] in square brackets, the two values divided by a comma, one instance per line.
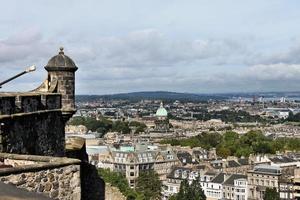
[184, 46]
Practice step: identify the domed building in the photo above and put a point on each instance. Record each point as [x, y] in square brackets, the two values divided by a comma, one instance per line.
[161, 121]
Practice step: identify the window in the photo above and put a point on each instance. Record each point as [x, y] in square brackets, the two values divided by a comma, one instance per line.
[131, 173]
[131, 167]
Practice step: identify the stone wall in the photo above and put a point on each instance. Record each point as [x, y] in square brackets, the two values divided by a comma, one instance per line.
[113, 193]
[58, 178]
[92, 186]
[32, 123]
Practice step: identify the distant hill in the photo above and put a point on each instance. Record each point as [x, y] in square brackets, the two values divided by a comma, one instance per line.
[192, 97]
[153, 95]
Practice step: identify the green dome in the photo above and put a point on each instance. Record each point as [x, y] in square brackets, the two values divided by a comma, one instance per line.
[161, 111]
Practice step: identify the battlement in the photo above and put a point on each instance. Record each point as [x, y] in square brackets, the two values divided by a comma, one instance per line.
[32, 123]
[28, 102]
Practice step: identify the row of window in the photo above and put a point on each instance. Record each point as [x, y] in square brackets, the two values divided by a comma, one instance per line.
[213, 194]
[260, 175]
[262, 182]
[173, 189]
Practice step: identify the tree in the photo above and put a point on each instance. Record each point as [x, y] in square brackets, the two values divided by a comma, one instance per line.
[140, 127]
[196, 190]
[223, 151]
[149, 185]
[118, 180]
[191, 191]
[183, 191]
[121, 127]
[271, 194]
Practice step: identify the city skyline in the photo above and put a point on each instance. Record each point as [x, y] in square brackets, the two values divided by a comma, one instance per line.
[119, 47]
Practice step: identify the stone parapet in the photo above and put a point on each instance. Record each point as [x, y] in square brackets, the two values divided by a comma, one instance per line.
[57, 178]
[13, 103]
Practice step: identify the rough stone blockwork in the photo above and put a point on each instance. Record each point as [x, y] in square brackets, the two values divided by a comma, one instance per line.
[113, 193]
[59, 178]
[38, 134]
[32, 124]
[59, 183]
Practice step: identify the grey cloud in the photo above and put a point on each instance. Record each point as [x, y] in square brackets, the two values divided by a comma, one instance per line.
[152, 48]
[146, 60]
[290, 55]
[280, 71]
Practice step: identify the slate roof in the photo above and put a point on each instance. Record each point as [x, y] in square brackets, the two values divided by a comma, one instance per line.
[210, 173]
[187, 157]
[243, 161]
[178, 172]
[219, 178]
[266, 169]
[282, 159]
[230, 180]
[233, 163]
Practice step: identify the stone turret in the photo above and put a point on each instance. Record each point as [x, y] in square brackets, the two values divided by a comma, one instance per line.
[61, 78]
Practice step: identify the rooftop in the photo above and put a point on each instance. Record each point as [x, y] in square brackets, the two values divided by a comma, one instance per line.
[220, 178]
[161, 111]
[266, 169]
[61, 62]
[230, 180]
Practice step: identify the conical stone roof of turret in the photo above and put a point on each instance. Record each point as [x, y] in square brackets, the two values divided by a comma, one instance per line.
[61, 62]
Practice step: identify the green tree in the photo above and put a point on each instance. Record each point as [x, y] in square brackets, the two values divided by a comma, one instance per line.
[101, 126]
[196, 190]
[224, 152]
[140, 127]
[149, 185]
[243, 151]
[77, 121]
[118, 180]
[191, 191]
[120, 126]
[271, 194]
[183, 191]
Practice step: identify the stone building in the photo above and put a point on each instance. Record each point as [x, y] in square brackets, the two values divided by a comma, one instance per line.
[131, 160]
[235, 187]
[33, 123]
[161, 121]
[296, 183]
[174, 179]
[262, 177]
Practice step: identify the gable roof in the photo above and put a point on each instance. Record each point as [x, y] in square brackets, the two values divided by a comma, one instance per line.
[219, 178]
[230, 180]
[233, 163]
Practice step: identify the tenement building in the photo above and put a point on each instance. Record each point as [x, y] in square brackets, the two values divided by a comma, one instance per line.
[261, 178]
[132, 160]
